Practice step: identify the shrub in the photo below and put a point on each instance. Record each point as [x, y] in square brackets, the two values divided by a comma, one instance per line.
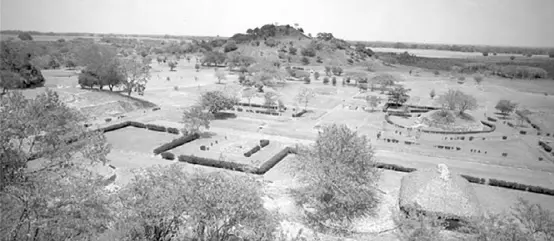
[316, 75]
[305, 60]
[216, 163]
[325, 80]
[264, 143]
[307, 80]
[266, 166]
[432, 94]
[175, 143]
[173, 130]
[474, 179]
[168, 155]
[436, 72]
[299, 114]
[308, 52]
[202, 148]
[153, 127]
[156, 108]
[137, 124]
[522, 132]
[334, 80]
[115, 127]
[504, 137]
[252, 151]
[338, 175]
[492, 119]
[394, 167]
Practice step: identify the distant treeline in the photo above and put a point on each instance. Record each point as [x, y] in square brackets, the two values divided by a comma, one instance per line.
[462, 48]
[167, 36]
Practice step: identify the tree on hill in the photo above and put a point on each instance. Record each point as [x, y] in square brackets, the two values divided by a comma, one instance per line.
[216, 101]
[456, 100]
[194, 118]
[308, 52]
[25, 36]
[230, 46]
[339, 174]
[304, 96]
[325, 36]
[47, 188]
[505, 106]
[213, 58]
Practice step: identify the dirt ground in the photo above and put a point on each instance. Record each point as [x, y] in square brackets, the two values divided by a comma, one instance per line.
[333, 104]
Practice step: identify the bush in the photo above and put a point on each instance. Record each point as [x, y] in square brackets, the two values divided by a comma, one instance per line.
[325, 80]
[216, 163]
[264, 143]
[308, 52]
[316, 75]
[307, 80]
[252, 151]
[108, 119]
[137, 124]
[266, 166]
[156, 108]
[173, 130]
[175, 143]
[522, 132]
[504, 137]
[115, 127]
[394, 167]
[153, 127]
[338, 175]
[299, 114]
[168, 155]
[492, 119]
[202, 148]
[474, 179]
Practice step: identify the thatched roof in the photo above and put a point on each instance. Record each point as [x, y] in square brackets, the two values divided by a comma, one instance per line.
[437, 191]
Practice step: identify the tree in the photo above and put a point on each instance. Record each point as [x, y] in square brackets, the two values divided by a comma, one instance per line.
[266, 73]
[456, 100]
[136, 75]
[213, 58]
[339, 174]
[47, 188]
[230, 46]
[292, 50]
[325, 80]
[308, 52]
[328, 70]
[9, 80]
[432, 94]
[505, 106]
[167, 203]
[194, 118]
[304, 96]
[337, 70]
[86, 79]
[249, 93]
[385, 80]
[197, 67]
[25, 36]
[305, 61]
[372, 101]
[307, 80]
[216, 101]
[316, 75]
[220, 75]
[485, 54]
[478, 79]
[172, 64]
[399, 95]
[270, 99]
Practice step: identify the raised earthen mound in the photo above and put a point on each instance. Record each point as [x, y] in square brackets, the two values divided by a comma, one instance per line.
[440, 120]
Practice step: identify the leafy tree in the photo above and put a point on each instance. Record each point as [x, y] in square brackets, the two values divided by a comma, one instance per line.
[432, 94]
[172, 64]
[328, 70]
[270, 99]
[42, 62]
[209, 206]
[304, 96]
[86, 79]
[505, 106]
[266, 73]
[316, 75]
[249, 93]
[136, 75]
[112, 75]
[197, 67]
[25, 36]
[220, 75]
[230, 46]
[213, 58]
[216, 101]
[456, 100]
[308, 52]
[325, 80]
[399, 95]
[339, 174]
[385, 80]
[194, 118]
[10, 80]
[478, 79]
[336, 70]
[292, 50]
[305, 60]
[372, 101]
[16, 57]
[235, 59]
[47, 188]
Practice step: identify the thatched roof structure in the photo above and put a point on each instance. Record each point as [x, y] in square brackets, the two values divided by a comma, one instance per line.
[439, 192]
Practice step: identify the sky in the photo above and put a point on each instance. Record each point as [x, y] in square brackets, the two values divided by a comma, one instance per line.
[480, 22]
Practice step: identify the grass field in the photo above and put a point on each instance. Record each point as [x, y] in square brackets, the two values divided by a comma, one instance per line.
[138, 139]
